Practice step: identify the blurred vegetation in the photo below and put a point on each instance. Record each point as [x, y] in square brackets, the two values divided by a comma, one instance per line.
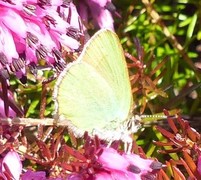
[170, 33]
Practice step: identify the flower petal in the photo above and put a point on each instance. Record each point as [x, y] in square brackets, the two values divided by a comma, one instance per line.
[111, 159]
[7, 45]
[12, 161]
[12, 19]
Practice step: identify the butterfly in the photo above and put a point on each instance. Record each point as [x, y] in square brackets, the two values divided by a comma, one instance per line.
[93, 93]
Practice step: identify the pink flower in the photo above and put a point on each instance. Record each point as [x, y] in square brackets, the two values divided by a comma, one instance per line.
[125, 166]
[34, 175]
[99, 12]
[33, 30]
[37, 175]
[199, 165]
[11, 166]
[11, 112]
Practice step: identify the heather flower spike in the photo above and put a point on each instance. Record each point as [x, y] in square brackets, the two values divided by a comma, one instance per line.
[42, 31]
[91, 161]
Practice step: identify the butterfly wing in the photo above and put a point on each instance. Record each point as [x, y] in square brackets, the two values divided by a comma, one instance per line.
[94, 94]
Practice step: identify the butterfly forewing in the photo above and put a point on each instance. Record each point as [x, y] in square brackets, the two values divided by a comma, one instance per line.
[106, 55]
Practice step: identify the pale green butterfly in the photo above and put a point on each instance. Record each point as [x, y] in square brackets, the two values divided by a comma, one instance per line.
[94, 93]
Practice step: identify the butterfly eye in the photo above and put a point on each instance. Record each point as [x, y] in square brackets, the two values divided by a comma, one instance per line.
[133, 123]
